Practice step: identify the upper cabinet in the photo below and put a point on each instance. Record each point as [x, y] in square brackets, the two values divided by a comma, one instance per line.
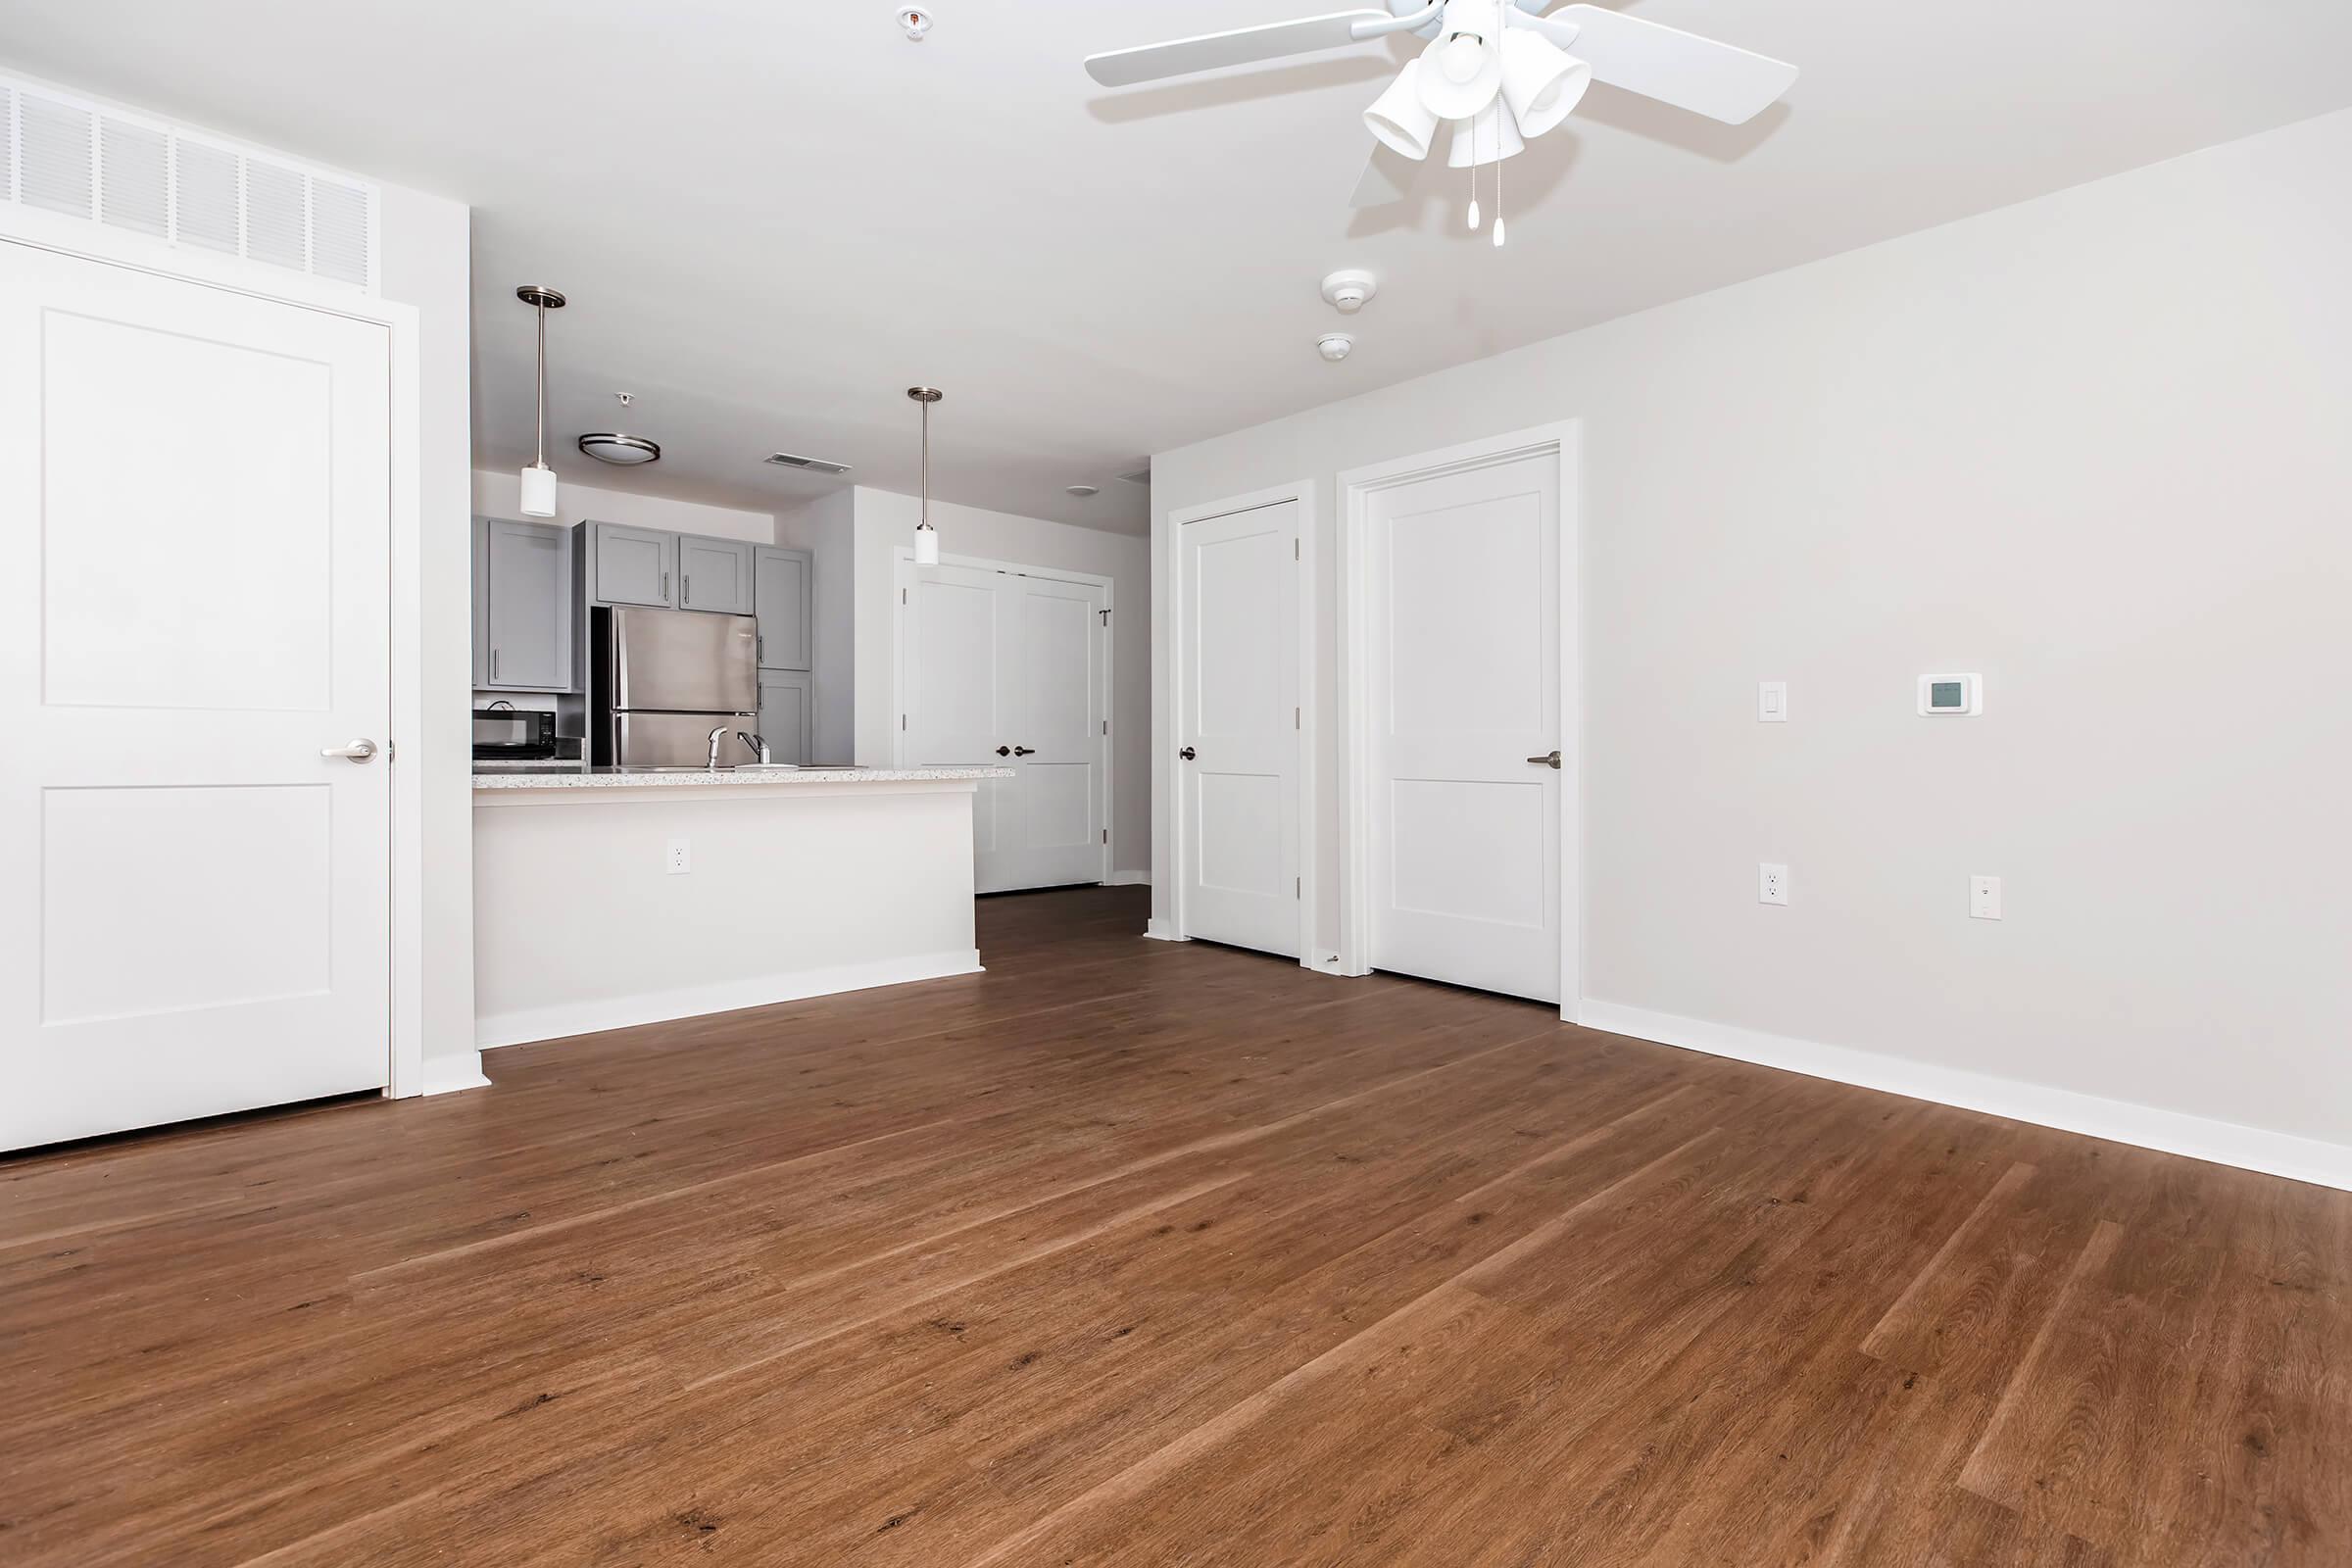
[783, 600]
[632, 566]
[522, 626]
[714, 574]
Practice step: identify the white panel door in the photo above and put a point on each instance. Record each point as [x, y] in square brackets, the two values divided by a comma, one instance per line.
[1055, 705]
[1463, 630]
[1236, 734]
[1009, 671]
[195, 506]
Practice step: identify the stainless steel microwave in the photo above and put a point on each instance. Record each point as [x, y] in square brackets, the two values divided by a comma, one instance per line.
[520, 733]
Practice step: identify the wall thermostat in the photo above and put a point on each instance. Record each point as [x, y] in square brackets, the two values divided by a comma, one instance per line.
[1951, 694]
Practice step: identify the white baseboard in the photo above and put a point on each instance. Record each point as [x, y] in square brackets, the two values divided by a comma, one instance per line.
[1128, 879]
[2224, 1143]
[1330, 965]
[525, 1025]
[448, 1074]
[1159, 930]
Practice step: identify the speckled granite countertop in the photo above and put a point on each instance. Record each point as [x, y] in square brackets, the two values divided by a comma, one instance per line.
[491, 776]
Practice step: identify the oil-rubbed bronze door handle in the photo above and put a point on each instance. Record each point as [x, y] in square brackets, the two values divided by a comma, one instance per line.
[1188, 754]
[1023, 751]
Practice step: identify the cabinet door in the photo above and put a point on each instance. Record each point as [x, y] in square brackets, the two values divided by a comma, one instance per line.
[782, 588]
[526, 606]
[787, 717]
[714, 574]
[633, 565]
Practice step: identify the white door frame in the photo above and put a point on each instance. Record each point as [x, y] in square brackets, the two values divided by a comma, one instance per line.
[1356, 487]
[1301, 492]
[901, 563]
[140, 252]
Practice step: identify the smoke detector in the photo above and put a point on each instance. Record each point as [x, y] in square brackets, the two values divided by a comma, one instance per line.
[1335, 346]
[1347, 289]
[916, 21]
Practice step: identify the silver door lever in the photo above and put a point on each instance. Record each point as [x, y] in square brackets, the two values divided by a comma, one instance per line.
[357, 751]
[1550, 760]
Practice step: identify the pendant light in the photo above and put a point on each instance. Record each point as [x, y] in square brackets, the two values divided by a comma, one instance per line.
[539, 481]
[926, 537]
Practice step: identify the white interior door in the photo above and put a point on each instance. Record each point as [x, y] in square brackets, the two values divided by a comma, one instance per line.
[195, 509]
[1238, 732]
[1009, 670]
[1463, 632]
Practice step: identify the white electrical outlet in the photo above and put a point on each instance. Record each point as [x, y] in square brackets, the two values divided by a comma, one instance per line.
[1772, 702]
[1984, 898]
[1772, 883]
[681, 858]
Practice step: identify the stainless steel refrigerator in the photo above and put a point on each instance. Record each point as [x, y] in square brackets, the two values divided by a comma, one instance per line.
[664, 679]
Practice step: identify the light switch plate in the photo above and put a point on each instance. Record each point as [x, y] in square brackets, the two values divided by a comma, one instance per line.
[1984, 898]
[1772, 702]
[1772, 883]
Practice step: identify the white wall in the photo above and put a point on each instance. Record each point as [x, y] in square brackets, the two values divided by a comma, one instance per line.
[499, 494]
[884, 522]
[427, 263]
[2094, 447]
[823, 528]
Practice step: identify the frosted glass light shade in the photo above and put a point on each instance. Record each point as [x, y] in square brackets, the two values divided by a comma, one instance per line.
[1399, 119]
[538, 491]
[1448, 99]
[1487, 139]
[926, 545]
[1540, 81]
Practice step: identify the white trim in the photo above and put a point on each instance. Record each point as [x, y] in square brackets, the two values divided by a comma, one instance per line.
[529, 1024]
[404, 584]
[2303, 1160]
[1301, 491]
[452, 1074]
[1565, 438]
[1159, 931]
[901, 567]
[1128, 879]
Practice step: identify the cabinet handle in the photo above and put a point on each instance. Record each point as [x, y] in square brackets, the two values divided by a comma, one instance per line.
[665, 586]
[686, 589]
[494, 664]
[759, 650]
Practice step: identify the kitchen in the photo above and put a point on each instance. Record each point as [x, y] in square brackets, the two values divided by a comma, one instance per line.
[655, 836]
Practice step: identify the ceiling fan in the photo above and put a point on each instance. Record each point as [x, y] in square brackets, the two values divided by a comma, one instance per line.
[1494, 70]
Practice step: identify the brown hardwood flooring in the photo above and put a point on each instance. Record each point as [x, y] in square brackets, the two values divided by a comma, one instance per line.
[1130, 1253]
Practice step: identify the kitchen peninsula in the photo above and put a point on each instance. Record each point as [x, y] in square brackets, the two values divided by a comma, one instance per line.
[606, 898]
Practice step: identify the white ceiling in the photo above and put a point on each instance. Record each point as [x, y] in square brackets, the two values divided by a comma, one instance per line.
[773, 216]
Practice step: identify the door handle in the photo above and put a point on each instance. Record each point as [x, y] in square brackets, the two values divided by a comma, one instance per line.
[1550, 760]
[358, 750]
[1023, 751]
[759, 650]
[1188, 754]
[1004, 750]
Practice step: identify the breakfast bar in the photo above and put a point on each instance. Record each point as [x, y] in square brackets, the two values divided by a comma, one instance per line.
[606, 898]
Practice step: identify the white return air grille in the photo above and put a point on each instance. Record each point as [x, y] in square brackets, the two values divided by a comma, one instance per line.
[69, 155]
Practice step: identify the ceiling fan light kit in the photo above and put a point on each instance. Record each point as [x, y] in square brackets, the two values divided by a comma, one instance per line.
[1483, 58]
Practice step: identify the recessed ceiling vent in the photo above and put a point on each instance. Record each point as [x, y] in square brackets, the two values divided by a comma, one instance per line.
[82, 159]
[793, 460]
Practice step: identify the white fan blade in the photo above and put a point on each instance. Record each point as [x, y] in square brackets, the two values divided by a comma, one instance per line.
[1181, 57]
[1378, 187]
[1675, 66]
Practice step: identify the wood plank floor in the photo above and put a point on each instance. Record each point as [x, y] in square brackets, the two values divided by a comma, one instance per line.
[1143, 1253]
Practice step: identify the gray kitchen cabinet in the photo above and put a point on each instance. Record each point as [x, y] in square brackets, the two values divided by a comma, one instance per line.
[523, 629]
[788, 714]
[784, 603]
[714, 574]
[632, 566]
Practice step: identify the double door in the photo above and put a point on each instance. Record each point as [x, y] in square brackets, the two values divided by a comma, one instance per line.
[1008, 668]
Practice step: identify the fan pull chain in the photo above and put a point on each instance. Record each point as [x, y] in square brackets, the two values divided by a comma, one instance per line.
[1474, 175]
[1500, 16]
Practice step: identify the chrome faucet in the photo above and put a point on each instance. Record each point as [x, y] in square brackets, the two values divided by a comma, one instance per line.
[716, 735]
[759, 745]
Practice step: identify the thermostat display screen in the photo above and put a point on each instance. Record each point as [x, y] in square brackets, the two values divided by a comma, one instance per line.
[1946, 694]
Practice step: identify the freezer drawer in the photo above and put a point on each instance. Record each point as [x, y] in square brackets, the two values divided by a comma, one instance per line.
[673, 740]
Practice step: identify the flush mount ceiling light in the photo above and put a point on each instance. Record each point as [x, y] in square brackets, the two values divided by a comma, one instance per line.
[926, 537]
[1497, 71]
[623, 451]
[1082, 491]
[538, 481]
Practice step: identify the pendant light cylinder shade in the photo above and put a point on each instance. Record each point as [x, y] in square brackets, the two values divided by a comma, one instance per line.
[1399, 120]
[926, 545]
[1446, 98]
[1540, 81]
[1487, 139]
[538, 491]
[926, 537]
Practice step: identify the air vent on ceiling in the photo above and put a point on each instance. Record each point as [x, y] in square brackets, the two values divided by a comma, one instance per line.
[793, 460]
[84, 158]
